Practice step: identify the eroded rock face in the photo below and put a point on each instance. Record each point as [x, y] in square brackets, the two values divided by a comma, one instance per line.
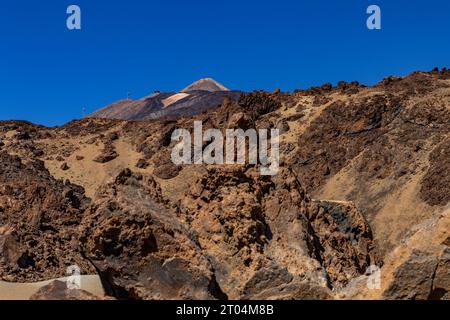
[340, 133]
[424, 275]
[344, 242]
[164, 166]
[224, 208]
[236, 235]
[38, 220]
[423, 271]
[257, 104]
[436, 183]
[264, 233]
[140, 248]
[441, 280]
[10, 249]
[417, 269]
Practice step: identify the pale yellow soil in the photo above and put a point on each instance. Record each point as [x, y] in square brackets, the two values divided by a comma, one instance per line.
[398, 202]
[298, 127]
[10, 134]
[90, 174]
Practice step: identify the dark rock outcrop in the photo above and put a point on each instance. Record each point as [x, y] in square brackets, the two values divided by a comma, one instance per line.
[424, 275]
[38, 218]
[140, 248]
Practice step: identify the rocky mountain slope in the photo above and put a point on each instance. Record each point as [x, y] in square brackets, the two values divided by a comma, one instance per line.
[196, 98]
[364, 182]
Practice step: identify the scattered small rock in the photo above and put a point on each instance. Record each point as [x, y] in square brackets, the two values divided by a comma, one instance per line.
[113, 136]
[167, 171]
[283, 126]
[295, 117]
[65, 166]
[91, 140]
[38, 152]
[106, 156]
[23, 135]
[142, 164]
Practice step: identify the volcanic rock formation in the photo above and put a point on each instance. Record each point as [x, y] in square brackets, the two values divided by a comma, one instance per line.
[363, 185]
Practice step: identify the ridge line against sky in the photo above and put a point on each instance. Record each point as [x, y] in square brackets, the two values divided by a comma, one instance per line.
[49, 73]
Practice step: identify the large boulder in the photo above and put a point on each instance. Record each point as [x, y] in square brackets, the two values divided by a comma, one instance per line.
[139, 247]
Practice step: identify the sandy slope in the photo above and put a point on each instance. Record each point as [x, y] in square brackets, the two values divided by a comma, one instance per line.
[91, 174]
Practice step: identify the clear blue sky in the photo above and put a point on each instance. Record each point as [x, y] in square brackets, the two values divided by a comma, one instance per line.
[48, 73]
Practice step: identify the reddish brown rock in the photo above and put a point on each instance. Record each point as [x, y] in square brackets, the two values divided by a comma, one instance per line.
[343, 240]
[255, 227]
[142, 164]
[140, 248]
[164, 166]
[436, 183]
[65, 166]
[39, 216]
[423, 276]
[106, 156]
[10, 249]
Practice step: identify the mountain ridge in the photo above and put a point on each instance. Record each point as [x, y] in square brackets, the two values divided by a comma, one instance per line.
[196, 98]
